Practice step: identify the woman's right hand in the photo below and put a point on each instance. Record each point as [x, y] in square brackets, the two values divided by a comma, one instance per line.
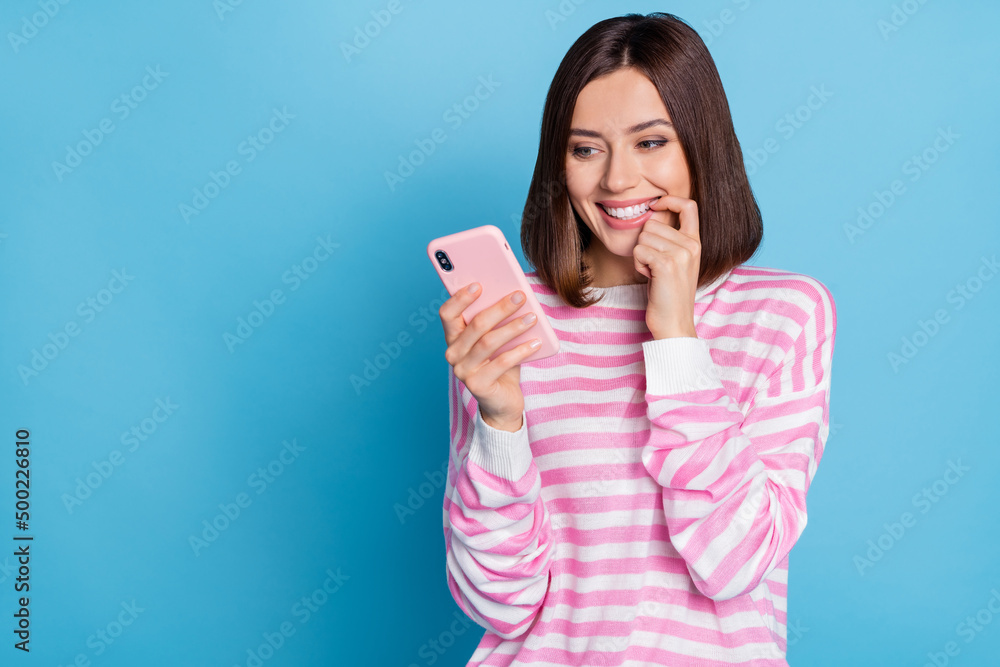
[495, 384]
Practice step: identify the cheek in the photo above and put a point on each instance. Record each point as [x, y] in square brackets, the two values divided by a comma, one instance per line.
[672, 175]
[576, 185]
[577, 191]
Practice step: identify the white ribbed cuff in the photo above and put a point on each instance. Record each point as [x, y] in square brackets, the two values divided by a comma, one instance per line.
[678, 365]
[506, 454]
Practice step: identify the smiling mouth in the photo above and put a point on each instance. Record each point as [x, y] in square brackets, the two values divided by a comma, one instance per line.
[629, 212]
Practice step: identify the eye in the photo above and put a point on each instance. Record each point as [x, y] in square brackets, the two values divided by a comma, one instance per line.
[648, 144]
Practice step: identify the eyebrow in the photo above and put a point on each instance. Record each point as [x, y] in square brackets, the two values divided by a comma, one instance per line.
[632, 130]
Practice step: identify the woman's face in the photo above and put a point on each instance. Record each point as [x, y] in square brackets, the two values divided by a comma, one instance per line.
[622, 151]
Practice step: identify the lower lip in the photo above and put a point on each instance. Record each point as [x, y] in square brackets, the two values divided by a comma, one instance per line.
[615, 223]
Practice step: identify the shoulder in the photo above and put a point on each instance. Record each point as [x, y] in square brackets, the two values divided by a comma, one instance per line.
[777, 292]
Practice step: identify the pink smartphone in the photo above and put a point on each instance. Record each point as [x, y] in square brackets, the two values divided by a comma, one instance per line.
[482, 255]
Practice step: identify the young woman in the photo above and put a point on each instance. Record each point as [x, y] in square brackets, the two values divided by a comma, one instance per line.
[633, 499]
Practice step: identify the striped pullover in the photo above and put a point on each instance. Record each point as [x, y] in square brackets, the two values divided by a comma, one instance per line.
[644, 512]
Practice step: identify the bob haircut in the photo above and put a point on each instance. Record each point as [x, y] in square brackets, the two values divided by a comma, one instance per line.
[675, 59]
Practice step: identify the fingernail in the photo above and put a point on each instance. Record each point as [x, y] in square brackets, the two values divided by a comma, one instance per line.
[517, 298]
[529, 318]
[473, 288]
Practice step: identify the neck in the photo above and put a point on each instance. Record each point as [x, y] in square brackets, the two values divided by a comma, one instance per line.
[608, 269]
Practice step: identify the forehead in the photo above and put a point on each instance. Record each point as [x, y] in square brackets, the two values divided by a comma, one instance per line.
[618, 100]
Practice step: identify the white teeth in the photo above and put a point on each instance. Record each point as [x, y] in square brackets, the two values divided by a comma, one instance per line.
[628, 212]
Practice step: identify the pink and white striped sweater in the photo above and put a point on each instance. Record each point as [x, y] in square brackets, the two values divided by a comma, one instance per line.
[644, 513]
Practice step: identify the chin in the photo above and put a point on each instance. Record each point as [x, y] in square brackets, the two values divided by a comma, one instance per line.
[623, 241]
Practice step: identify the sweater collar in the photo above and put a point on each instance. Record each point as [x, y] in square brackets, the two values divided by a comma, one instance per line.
[636, 295]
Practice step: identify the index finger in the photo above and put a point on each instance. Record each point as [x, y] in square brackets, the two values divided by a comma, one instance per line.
[452, 309]
[688, 210]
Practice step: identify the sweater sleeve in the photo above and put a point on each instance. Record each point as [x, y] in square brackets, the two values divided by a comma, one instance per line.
[497, 530]
[734, 486]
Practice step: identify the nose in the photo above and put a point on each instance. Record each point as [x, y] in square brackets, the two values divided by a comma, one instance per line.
[622, 172]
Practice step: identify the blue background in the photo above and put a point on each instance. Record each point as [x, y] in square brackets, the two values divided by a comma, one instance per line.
[364, 448]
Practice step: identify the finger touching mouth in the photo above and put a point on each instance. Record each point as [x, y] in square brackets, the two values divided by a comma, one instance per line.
[626, 215]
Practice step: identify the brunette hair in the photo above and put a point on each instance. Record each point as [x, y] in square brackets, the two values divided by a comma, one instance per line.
[675, 59]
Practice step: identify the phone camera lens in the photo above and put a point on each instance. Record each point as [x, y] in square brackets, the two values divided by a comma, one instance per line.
[442, 258]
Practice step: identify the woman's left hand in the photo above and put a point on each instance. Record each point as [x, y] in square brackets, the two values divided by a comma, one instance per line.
[670, 258]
